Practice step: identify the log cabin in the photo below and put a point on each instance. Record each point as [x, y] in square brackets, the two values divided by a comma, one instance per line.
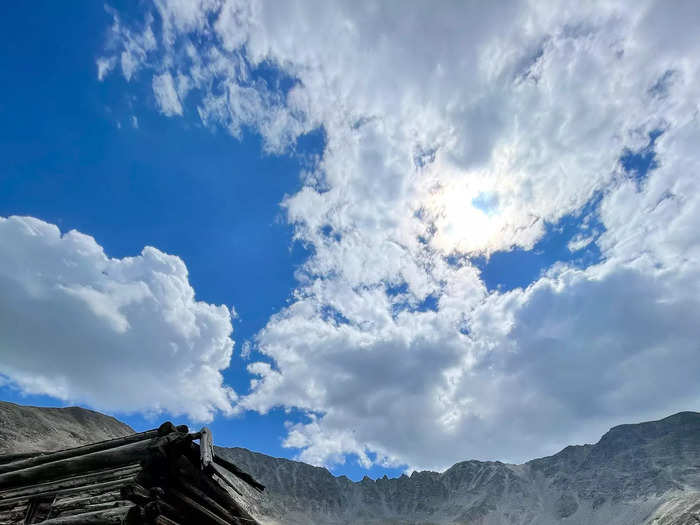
[165, 476]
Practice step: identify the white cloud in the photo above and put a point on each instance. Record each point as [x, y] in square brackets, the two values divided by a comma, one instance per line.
[128, 46]
[166, 96]
[529, 103]
[105, 66]
[118, 334]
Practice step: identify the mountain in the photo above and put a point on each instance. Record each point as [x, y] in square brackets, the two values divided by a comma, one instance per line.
[641, 474]
[25, 429]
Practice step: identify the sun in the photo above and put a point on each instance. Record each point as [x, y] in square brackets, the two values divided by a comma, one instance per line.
[468, 218]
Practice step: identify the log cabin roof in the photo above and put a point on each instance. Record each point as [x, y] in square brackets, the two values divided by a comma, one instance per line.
[161, 476]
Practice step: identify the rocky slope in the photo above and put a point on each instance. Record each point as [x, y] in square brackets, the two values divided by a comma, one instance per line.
[25, 429]
[643, 473]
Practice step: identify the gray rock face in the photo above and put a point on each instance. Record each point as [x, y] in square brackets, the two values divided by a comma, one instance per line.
[643, 473]
[25, 429]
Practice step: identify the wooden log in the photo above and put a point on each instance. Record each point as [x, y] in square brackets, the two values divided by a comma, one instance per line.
[166, 428]
[156, 508]
[167, 509]
[136, 493]
[116, 516]
[162, 520]
[95, 507]
[203, 486]
[14, 514]
[202, 511]
[93, 482]
[236, 499]
[9, 458]
[209, 502]
[102, 459]
[81, 501]
[206, 449]
[218, 473]
[92, 491]
[238, 472]
[78, 451]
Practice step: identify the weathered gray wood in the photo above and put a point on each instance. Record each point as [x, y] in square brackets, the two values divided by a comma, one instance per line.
[238, 472]
[95, 507]
[81, 501]
[206, 448]
[136, 493]
[14, 514]
[236, 497]
[218, 473]
[93, 482]
[163, 520]
[156, 508]
[199, 509]
[116, 516]
[209, 502]
[102, 459]
[93, 490]
[78, 451]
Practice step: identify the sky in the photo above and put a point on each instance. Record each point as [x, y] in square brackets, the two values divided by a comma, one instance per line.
[372, 236]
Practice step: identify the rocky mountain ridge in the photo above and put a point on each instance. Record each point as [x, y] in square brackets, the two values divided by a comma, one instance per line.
[623, 479]
[646, 473]
[27, 429]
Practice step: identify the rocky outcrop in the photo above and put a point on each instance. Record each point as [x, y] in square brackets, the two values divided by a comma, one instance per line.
[26, 429]
[635, 474]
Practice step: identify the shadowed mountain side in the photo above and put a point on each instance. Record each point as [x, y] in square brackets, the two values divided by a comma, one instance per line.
[623, 479]
[27, 429]
[646, 473]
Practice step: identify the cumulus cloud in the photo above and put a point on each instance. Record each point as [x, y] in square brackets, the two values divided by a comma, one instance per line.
[121, 335]
[498, 121]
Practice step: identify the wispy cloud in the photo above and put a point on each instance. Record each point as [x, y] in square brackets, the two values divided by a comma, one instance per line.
[166, 96]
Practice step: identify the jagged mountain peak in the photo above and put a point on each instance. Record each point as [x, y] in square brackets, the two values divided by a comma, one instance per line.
[643, 473]
[622, 479]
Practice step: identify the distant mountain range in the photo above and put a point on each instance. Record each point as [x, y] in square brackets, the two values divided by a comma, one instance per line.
[641, 474]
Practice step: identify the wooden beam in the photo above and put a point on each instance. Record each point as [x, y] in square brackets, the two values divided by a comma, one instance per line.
[101, 459]
[236, 498]
[238, 472]
[162, 520]
[117, 516]
[95, 507]
[219, 473]
[136, 493]
[94, 481]
[206, 449]
[160, 507]
[204, 512]
[78, 451]
[81, 501]
[208, 501]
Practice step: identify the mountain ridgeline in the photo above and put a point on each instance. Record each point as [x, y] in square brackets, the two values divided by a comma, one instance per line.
[25, 429]
[641, 474]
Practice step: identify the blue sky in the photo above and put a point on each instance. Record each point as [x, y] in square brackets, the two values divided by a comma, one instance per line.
[280, 171]
[73, 158]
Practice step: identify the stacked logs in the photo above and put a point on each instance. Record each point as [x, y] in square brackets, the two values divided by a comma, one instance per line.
[156, 477]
